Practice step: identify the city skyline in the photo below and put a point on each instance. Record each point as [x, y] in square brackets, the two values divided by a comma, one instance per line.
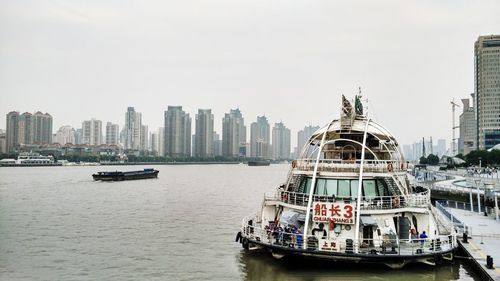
[287, 61]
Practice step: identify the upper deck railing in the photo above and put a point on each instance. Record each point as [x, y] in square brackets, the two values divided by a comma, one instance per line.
[337, 165]
[422, 199]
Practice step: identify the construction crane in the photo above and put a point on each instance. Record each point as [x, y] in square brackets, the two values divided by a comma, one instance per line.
[453, 127]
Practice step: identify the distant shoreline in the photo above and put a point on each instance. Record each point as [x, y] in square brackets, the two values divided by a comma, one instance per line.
[123, 164]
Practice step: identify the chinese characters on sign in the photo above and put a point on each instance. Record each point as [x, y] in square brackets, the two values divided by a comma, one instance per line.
[337, 212]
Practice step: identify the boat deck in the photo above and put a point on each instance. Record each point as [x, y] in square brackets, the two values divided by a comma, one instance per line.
[387, 246]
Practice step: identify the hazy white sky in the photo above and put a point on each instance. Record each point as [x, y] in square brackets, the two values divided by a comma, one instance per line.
[289, 60]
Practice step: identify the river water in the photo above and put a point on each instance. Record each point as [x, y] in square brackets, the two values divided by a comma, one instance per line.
[56, 223]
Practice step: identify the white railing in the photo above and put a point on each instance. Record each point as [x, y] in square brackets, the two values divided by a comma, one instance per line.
[421, 199]
[290, 237]
[336, 165]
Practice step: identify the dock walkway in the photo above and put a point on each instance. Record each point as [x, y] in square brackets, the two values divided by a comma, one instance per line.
[484, 239]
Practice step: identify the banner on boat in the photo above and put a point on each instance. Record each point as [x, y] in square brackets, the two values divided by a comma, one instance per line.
[341, 213]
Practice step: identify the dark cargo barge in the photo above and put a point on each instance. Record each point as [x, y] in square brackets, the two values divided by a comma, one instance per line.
[130, 175]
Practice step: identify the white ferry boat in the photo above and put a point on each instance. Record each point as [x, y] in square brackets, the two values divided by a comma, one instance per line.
[30, 159]
[34, 159]
[347, 198]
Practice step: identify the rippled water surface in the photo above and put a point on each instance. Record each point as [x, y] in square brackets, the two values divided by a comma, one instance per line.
[56, 223]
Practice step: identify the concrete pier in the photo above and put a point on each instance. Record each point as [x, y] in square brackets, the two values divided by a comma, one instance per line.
[484, 240]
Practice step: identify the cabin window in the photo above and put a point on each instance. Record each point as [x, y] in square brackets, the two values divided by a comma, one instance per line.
[331, 187]
[321, 186]
[369, 189]
[354, 189]
[344, 188]
[327, 187]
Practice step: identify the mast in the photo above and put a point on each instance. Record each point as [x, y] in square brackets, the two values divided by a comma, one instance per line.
[358, 202]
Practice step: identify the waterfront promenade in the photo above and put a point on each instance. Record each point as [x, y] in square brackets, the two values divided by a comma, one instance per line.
[484, 239]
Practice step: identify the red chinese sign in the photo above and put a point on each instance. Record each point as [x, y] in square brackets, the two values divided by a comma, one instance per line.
[337, 212]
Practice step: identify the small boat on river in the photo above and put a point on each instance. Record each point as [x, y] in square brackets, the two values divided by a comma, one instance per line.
[259, 163]
[129, 175]
[347, 198]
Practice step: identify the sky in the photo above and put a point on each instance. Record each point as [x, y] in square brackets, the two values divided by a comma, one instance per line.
[288, 60]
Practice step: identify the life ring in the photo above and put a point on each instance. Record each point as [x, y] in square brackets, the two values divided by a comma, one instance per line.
[294, 164]
[284, 197]
[389, 167]
[395, 202]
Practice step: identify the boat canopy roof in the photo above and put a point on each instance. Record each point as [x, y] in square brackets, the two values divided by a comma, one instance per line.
[335, 129]
[343, 137]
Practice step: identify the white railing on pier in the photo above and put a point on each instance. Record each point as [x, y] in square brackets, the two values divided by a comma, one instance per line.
[337, 165]
[421, 199]
[451, 221]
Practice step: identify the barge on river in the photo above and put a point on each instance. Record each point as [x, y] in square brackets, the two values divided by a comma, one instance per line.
[130, 175]
[347, 198]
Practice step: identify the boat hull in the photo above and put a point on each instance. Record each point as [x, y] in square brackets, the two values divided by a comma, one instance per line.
[259, 163]
[121, 176]
[392, 260]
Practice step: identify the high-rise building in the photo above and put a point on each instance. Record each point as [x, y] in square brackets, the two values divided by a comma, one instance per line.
[233, 134]
[28, 128]
[42, 128]
[467, 125]
[144, 138]
[65, 134]
[217, 145]
[304, 135]
[3, 142]
[177, 132]
[154, 139]
[408, 152]
[487, 90]
[440, 147]
[112, 133]
[132, 129]
[12, 132]
[281, 142]
[161, 141]
[78, 136]
[260, 139]
[204, 130]
[92, 132]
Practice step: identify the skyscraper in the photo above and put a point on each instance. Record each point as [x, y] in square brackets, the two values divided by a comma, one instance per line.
[217, 145]
[304, 135]
[487, 90]
[177, 132]
[42, 128]
[204, 131]
[161, 141]
[233, 133]
[260, 139]
[26, 128]
[12, 132]
[281, 142]
[3, 143]
[112, 133]
[92, 132]
[132, 129]
[467, 125]
[144, 144]
[65, 134]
